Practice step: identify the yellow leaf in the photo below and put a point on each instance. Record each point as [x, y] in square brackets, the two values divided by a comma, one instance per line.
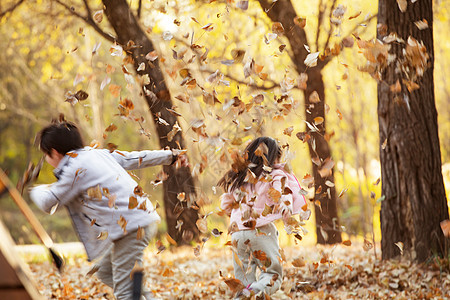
[318, 120]
[102, 236]
[314, 97]
[202, 225]
[402, 5]
[114, 90]
[274, 195]
[298, 262]
[140, 233]
[234, 284]
[95, 192]
[445, 226]
[181, 196]
[299, 21]
[132, 203]
[167, 272]
[122, 223]
[277, 28]
[170, 240]
[71, 154]
[347, 243]
[267, 210]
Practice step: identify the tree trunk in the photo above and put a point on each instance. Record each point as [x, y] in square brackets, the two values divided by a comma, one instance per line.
[411, 171]
[327, 221]
[158, 98]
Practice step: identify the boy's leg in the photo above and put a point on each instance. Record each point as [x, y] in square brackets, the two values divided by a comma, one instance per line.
[271, 277]
[243, 254]
[104, 272]
[126, 252]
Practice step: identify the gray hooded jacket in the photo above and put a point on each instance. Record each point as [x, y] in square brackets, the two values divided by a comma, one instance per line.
[100, 195]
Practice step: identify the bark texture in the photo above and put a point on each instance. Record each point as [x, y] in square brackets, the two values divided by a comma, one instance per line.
[134, 40]
[411, 171]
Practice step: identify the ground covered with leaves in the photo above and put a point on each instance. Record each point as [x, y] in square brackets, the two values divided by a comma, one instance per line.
[310, 272]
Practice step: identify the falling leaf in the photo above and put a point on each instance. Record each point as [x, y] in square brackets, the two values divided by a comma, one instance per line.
[92, 271]
[140, 233]
[111, 200]
[355, 15]
[318, 120]
[170, 240]
[342, 192]
[208, 27]
[116, 50]
[274, 194]
[132, 202]
[114, 90]
[98, 16]
[216, 232]
[396, 88]
[167, 273]
[234, 284]
[123, 224]
[421, 24]
[347, 243]
[299, 21]
[95, 193]
[277, 28]
[242, 4]
[367, 245]
[298, 262]
[339, 114]
[311, 59]
[314, 97]
[445, 226]
[102, 236]
[400, 247]
[72, 154]
[160, 246]
[288, 131]
[112, 127]
[402, 5]
[202, 225]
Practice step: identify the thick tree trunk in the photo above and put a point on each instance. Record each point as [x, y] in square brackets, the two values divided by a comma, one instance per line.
[158, 98]
[411, 172]
[327, 221]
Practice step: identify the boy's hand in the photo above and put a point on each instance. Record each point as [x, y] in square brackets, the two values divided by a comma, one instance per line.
[181, 160]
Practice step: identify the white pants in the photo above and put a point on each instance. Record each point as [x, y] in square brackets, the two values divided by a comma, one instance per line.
[117, 263]
[251, 243]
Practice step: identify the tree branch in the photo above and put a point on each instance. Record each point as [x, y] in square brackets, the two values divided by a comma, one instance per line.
[139, 10]
[88, 19]
[319, 21]
[333, 6]
[11, 9]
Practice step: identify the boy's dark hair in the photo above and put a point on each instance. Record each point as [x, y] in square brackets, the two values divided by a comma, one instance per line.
[262, 151]
[61, 136]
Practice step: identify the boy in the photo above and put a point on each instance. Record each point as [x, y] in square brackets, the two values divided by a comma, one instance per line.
[110, 213]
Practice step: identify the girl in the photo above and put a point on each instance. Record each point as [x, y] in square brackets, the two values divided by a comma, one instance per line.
[259, 191]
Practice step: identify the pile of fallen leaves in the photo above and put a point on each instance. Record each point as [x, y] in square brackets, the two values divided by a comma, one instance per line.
[310, 272]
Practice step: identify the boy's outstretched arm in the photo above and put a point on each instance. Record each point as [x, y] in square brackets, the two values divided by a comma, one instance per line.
[140, 159]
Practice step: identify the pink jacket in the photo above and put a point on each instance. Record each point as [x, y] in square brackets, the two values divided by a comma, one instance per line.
[255, 205]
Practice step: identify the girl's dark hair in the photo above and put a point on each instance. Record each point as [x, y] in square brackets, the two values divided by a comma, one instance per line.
[254, 161]
[61, 136]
